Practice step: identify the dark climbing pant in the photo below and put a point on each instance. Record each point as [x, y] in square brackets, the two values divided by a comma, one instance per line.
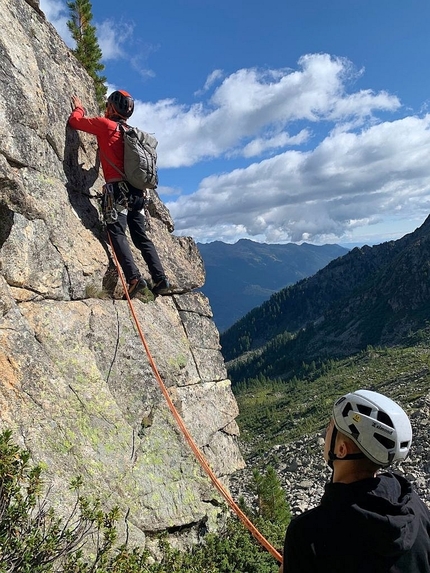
[136, 224]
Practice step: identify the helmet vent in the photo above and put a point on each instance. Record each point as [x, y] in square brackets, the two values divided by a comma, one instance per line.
[122, 103]
[386, 442]
[364, 409]
[404, 444]
[385, 419]
[353, 430]
[347, 409]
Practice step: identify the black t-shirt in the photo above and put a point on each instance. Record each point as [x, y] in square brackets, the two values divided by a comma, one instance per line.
[376, 525]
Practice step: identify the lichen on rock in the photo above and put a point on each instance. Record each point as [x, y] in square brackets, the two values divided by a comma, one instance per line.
[76, 386]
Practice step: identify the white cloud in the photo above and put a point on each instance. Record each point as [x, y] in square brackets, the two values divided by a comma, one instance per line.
[251, 102]
[359, 171]
[123, 46]
[210, 81]
[118, 42]
[57, 13]
[112, 44]
[349, 180]
[110, 41]
[259, 145]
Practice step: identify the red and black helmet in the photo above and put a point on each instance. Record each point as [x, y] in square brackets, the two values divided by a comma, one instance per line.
[122, 102]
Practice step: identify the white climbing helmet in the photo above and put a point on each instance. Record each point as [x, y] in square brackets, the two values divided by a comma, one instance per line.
[376, 424]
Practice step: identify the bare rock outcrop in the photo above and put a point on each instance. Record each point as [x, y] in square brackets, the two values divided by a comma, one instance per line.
[75, 384]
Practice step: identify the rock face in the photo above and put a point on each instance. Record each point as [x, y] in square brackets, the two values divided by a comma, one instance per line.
[76, 386]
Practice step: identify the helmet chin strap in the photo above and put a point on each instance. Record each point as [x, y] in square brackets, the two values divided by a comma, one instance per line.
[332, 456]
[114, 116]
[111, 113]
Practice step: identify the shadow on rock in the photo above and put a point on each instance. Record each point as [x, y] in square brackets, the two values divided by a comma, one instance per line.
[79, 186]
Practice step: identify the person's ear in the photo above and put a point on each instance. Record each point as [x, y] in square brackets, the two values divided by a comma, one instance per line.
[342, 449]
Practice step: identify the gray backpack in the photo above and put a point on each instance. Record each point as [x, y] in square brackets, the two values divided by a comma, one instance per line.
[140, 157]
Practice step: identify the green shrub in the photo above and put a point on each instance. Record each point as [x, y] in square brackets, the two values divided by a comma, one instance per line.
[34, 540]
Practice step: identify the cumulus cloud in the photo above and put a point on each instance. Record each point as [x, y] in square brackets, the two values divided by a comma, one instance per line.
[318, 160]
[252, 101]
[348, 169]
[349, 180]
[261, 144]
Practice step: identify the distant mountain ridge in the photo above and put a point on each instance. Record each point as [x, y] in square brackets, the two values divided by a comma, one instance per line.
[241, 276]
[371, 296]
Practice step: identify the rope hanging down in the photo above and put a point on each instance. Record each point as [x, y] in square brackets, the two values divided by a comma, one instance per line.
[199, 455]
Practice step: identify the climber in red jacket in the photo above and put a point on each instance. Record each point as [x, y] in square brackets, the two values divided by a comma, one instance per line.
[123, 204]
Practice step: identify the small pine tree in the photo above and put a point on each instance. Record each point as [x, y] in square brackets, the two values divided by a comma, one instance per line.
[272, 504]
[87, 49]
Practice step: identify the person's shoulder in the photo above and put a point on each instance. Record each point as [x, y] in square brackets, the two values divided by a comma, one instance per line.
[308, 519]
[420, 506]
[105, 121]
[103, 126]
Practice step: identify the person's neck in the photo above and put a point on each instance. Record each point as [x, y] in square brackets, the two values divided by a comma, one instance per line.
[347, 471]
[117, 118]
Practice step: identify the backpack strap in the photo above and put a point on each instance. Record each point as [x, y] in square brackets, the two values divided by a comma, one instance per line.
[120, 128]
[112, 164]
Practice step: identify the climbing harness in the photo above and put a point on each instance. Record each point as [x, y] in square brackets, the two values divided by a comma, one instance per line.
[199, 455]
[113, 201]
[116, 198]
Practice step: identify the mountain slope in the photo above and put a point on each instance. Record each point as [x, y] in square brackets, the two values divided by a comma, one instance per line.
[373, 295]
[242, 276]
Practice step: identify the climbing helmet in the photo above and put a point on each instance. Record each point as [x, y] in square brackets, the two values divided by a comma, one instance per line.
[122, 103]
[376, 424]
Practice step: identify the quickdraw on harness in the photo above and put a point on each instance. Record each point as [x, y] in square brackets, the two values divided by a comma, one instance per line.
[114, 200]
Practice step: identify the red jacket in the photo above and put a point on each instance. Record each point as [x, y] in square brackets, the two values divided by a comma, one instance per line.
[109, 139]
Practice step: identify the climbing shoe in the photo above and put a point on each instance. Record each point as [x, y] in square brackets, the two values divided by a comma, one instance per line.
[161, 287]
[136, 285]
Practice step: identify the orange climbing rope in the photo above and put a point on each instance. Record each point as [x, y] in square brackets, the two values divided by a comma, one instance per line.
[199, 455]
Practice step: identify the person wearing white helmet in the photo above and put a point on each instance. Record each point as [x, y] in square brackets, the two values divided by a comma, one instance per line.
[368, 521]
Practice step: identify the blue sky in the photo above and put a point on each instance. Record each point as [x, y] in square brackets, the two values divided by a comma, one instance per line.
[278, 121]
